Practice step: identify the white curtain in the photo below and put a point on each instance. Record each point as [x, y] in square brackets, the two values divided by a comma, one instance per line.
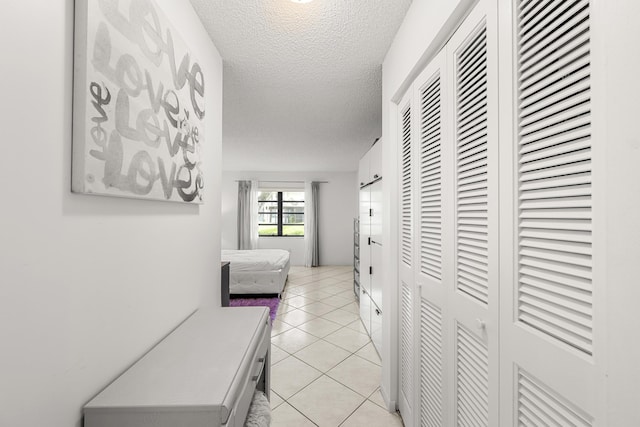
[244, 215]
[247, 215]
[311, 246]
[254, 214]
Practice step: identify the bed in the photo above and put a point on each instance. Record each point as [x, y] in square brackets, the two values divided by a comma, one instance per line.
[257, 272]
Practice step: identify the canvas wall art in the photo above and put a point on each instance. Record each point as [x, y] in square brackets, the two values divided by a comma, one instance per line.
[139, 104]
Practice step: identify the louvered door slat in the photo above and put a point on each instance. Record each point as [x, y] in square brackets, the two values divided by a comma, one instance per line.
[476, 159]
[430, 365]
[553, 100]
[546, 140]
[578, 317]
[583, 202]
[474, 65]
[556, 299]
[575, 194]
[575, 298]
[430, 179]
[541, 321]
[558, 268]
[473, 103]
[573, 46]
[471, 288]
[406, 341]
[530, 7]
[557, 118]
[535, 11]
[556, 279]
[539, 28]
[556, 236]
[555, 256]
[474, 256]
[432, 130]
[474, 246]
[546, 166]
[472, 373]
[473, 155]
[569, 108]
[471, 133]
[539, 404]
[554, 223]
[537, 34]
[473, 109]
[406, 193]
[572, 174]
[551, 255]
[474, 45]
[471, 162]
[471, 91]
[534, 98]
[468, 395]
[560, 246]
[430, 95]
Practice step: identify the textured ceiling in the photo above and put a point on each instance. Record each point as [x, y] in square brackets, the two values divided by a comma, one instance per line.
[302, 82]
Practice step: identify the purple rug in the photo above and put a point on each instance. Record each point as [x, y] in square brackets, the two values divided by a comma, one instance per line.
[272, 303]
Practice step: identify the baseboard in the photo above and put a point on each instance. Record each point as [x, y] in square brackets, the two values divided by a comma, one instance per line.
[392, 405]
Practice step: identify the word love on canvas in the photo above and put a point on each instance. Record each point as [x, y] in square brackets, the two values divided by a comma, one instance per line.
[146, 117]
[141, 165]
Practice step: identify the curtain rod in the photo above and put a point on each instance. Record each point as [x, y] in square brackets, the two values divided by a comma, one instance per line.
[290, 182]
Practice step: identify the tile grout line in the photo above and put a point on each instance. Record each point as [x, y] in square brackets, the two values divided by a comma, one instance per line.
[340, 289]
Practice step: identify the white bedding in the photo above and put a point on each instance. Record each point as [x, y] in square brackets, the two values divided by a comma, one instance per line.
[256, 260]
[260, 271]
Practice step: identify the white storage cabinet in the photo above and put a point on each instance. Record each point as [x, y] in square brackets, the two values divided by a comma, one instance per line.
[203, 374]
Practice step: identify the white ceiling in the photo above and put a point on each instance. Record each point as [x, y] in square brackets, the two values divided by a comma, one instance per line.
[302, 82]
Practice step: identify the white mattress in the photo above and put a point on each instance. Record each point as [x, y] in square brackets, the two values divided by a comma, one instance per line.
[260, 271]
[256, 260]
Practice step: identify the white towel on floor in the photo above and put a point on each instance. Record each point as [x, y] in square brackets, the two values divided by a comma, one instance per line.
[259, 412]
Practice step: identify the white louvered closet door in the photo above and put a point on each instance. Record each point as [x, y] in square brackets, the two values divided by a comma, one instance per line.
[432, 199]
[473, 300]
[406, 261]
[551, 361]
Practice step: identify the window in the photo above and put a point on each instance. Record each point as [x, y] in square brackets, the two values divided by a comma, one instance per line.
[281, 213]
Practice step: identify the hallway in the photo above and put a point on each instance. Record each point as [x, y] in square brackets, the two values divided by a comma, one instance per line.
[325, 371]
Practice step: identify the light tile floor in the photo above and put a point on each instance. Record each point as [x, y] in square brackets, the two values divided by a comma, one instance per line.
[325, 371]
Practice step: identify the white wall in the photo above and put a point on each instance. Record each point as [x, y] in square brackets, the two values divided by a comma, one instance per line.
[424, 31]
[87, 284]
[338, 206]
